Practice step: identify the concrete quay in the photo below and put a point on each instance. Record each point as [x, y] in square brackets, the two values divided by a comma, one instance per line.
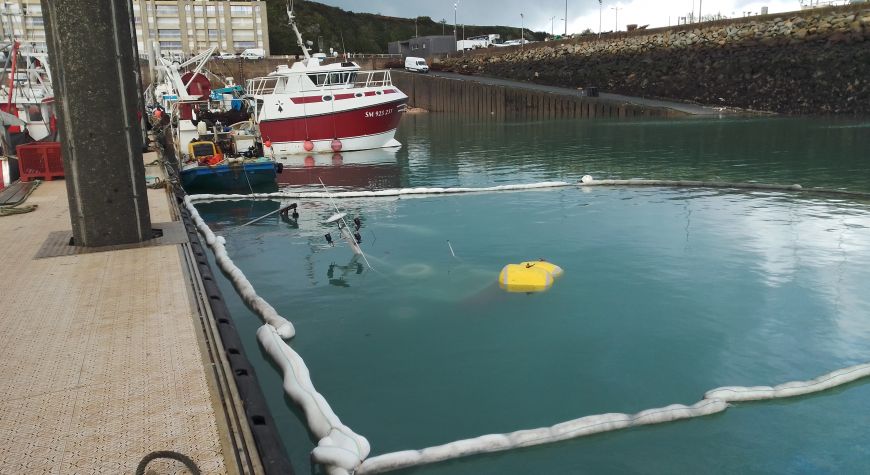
[109, 356]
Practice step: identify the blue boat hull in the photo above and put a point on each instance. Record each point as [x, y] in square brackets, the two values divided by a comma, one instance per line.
[252, 176]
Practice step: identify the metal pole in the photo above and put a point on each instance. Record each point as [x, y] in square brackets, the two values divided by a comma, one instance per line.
[140, 86]
[566, 18]
[455, 6]
[522, 31]
[700, 3]
[100, 134]
[600, 7]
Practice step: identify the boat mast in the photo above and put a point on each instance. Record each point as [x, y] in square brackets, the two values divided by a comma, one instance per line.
[299, 41]
[14, 53]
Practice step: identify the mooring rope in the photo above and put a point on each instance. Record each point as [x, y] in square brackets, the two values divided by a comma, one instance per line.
[342, 451]
[16, 208]
[167, 454]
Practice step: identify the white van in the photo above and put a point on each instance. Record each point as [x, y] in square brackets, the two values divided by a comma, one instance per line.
[416, 64]
[253, 53]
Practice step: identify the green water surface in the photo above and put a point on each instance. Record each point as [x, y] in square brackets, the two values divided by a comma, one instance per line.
[667, 293]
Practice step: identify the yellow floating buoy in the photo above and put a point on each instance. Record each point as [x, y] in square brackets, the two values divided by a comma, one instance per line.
[531, 276]
[547, 266]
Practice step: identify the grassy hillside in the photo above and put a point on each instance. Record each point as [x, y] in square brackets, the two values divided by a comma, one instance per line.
[362, 32]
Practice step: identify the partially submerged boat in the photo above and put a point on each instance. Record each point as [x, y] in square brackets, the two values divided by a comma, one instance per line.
[315, 107]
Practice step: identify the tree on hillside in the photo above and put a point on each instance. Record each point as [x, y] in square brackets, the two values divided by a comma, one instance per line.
[362, 32]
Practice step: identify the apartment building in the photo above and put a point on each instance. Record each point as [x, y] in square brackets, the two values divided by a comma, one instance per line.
[183, 27]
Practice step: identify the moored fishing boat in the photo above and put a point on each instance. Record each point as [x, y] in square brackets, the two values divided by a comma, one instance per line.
[215, 143]
[315, 107]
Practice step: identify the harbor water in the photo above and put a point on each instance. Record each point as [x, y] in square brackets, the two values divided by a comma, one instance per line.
[667, 292]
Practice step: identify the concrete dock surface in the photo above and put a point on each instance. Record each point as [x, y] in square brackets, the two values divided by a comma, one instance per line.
[103, 359]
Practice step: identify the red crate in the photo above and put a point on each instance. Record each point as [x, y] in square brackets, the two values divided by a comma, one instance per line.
[39, 160]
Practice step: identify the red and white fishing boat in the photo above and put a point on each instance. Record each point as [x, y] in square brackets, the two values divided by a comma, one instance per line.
[314, 107]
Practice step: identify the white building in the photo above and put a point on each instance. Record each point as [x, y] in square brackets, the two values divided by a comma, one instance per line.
[177, 26]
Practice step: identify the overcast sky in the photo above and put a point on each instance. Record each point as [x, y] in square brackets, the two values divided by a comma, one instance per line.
[582, 14]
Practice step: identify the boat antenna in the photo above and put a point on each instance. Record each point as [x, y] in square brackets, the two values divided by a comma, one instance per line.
[342, 44]
[292, 20]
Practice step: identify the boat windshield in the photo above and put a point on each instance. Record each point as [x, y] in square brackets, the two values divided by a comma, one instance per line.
[333, 79]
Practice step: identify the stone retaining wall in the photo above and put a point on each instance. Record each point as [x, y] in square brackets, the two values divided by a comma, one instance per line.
[811, 62]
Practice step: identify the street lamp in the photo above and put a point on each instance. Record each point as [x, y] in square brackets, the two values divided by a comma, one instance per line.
[522, 30]
[566, 18]
[616, 18]
[552, 28]
[600, 6]
[455, 6]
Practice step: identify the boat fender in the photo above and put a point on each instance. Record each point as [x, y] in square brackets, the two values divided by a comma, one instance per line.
[308, 145]
[336, 145]
[279, 168]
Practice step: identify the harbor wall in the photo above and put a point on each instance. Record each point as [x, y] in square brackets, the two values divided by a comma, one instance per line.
[807, 62]
[478, 100]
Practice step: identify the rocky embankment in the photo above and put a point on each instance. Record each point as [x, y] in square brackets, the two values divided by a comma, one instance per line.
[811, 62]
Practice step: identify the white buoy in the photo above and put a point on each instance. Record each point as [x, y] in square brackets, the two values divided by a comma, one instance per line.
[586, 179]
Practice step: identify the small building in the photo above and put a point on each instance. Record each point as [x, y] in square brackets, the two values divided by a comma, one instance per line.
[424, 46]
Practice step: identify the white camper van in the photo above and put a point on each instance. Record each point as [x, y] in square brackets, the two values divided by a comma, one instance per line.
[253, 53]
[416, 64]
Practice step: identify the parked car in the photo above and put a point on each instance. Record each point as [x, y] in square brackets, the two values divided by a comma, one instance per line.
[253, 53]
[514, 42]
[225, 55]
[416, 64]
